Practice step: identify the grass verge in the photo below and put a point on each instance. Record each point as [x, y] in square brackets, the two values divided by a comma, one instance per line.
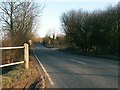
[19, 77]
[78, 52]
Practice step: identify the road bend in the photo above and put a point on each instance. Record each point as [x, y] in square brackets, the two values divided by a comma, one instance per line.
[76, 71]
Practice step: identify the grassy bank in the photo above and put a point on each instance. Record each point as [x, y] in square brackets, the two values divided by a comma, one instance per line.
[78, 52]
[19, 77]
[64, 48]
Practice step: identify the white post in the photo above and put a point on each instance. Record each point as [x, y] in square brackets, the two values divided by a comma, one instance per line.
[26, 55]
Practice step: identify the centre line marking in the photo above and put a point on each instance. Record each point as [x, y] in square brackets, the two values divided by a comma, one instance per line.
[78, 61]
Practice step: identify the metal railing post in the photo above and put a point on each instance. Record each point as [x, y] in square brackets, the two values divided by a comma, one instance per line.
[26, 55]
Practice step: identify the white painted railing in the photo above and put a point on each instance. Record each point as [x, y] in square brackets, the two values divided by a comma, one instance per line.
[26, 55]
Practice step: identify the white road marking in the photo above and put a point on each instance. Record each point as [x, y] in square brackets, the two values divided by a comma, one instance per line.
[50, 80]
[42, 79]
[78, 61]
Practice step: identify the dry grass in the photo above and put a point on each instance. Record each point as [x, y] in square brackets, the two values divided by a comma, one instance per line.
[19, 77]
[12, 77]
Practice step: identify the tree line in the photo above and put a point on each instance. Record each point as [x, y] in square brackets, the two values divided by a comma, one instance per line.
[97, 31]
[18, 20]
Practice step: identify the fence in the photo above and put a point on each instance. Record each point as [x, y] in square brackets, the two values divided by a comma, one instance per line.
[26, 55]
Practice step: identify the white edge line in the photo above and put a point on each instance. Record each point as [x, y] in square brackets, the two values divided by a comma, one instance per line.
[41, 77]
[78, 61]
[50, 80]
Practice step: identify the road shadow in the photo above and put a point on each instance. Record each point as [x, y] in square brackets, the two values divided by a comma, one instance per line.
[84, 74]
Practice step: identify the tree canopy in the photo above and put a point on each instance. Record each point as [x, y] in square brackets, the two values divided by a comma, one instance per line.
[96, 31]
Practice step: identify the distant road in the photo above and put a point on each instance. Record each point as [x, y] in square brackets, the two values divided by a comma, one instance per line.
[75, 71]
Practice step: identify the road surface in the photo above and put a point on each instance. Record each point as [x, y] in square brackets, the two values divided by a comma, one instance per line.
[75, 71]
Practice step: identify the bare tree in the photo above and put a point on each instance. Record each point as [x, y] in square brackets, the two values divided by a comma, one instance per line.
[19, 20]
[96, 31]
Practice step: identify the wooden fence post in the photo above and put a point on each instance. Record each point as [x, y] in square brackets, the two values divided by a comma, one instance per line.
[26, 55]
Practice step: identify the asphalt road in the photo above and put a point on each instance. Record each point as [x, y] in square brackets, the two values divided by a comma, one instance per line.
[75, 71]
